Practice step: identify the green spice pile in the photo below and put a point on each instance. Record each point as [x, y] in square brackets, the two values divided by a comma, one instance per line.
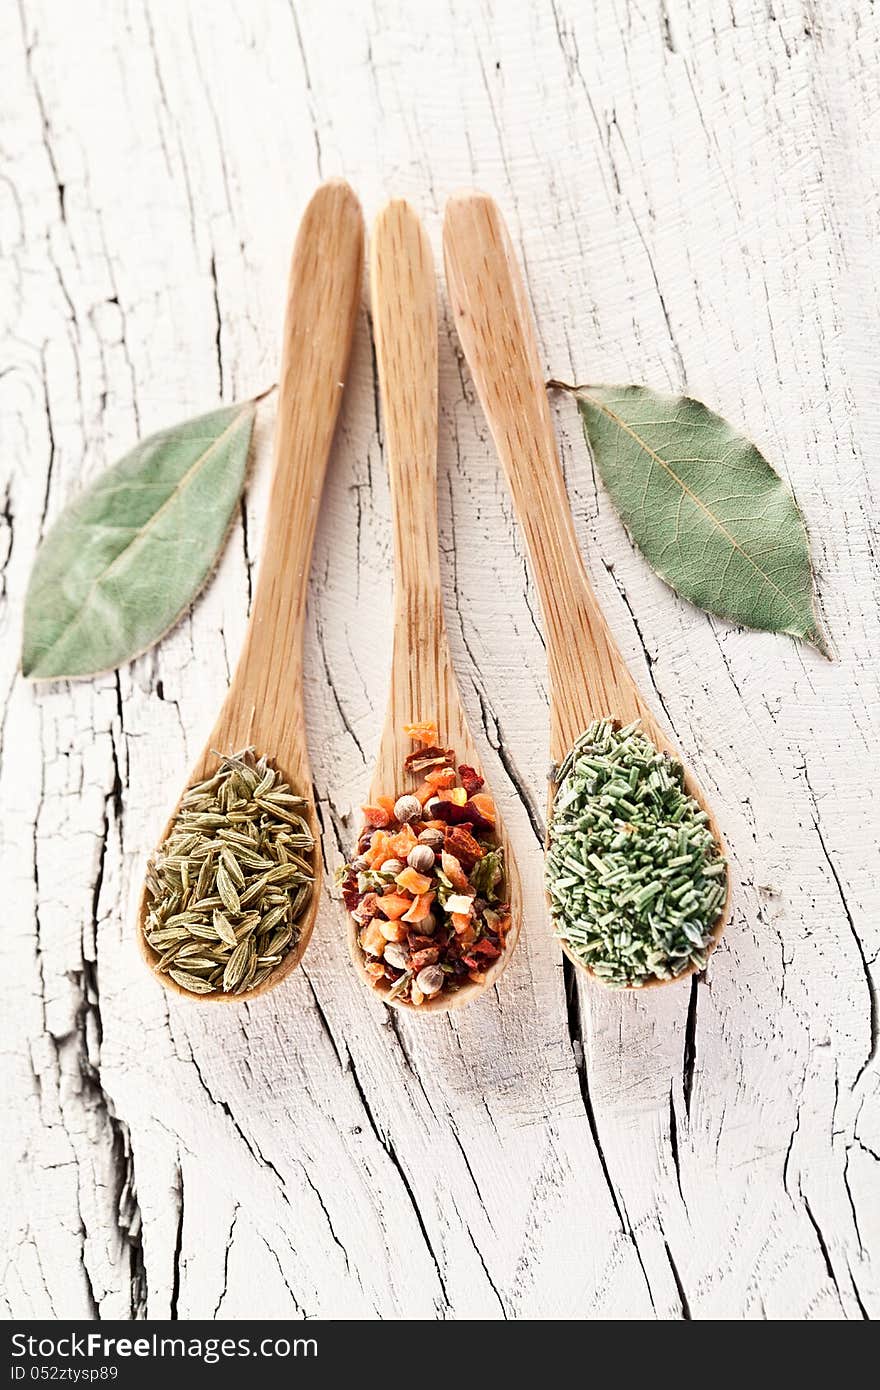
[229, 886]
[634, 873]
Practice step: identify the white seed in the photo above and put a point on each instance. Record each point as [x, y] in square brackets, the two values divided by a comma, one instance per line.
[421, 858]
[407, 808]
[397, 955]
[391, 866]
[430, 979]
[432, 837]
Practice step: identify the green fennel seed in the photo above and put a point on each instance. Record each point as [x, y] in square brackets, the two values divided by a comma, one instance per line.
[635, 876]
[228, 888]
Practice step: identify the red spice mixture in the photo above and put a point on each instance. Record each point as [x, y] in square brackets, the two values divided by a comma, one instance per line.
[427, 886]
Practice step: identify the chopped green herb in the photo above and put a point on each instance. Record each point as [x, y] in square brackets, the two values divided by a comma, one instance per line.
[635, 875]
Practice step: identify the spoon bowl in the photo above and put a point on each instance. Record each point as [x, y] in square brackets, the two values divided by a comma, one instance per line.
[588, 677]
[264, 705]
[423, 685]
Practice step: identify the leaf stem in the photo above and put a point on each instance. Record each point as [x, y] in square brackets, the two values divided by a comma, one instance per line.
[255, 400]
[554, 385]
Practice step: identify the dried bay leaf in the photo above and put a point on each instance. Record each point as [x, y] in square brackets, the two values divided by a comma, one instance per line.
[127, 557]
[704, 506]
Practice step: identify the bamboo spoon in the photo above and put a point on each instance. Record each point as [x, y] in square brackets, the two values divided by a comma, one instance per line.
[423, 687]
[588, 677]
[264, 704]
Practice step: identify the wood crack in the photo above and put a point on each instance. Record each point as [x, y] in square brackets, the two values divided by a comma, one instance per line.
[337, 699]
[826, 1258]
[387, 1145]
[490, 1281]
[178, 1247]
[218, 346]
[866, 972]
[580, 1054]
[229, 1240]
[673, 1146]
[689, 1061]
[649, 659]
[125, 1205]
[683, 1298]
[316, 133]
[505, 757]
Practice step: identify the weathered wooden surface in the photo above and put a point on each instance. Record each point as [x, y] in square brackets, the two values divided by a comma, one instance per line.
[693, 188]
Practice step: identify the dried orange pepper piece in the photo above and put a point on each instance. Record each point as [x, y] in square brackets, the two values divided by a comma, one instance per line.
[420, 908]
[484, 805]
[457, 795]
[394, 905]
[378, 851]
[413, 882]
[400, 844]
[441, 777]
[422, 731]
[372, 940]
[392, 931]
[453, 870]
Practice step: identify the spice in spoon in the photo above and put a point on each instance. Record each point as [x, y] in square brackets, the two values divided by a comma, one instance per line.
[427, 886]
[635, 875]
[230, 884]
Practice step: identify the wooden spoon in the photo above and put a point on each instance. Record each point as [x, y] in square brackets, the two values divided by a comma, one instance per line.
[423, 687]
[588, 677]
[264, 704]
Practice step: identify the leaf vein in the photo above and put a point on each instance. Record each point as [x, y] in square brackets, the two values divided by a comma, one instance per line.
[656, 458]
[179, 487]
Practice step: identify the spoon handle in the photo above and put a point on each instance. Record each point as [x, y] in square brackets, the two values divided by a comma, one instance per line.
[588, 677]
[322, 300]
[404, 309]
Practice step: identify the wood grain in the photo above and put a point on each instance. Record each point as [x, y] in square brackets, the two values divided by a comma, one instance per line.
[588, 677]
[263, 707]
[685, 186]
[422, 684]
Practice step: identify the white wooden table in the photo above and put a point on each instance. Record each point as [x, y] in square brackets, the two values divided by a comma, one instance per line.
[693, 187]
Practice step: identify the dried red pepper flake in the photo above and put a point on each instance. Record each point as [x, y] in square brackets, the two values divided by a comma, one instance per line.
[419, 959]
[450, 812]
[481, 956]
[470, 779]
[368, 907]
[460, 842]
[350, 894]
[486, 948]
[422, 759]
[417, 942]
[453, 814]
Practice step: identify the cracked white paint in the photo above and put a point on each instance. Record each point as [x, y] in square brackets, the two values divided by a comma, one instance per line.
[692, 189]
